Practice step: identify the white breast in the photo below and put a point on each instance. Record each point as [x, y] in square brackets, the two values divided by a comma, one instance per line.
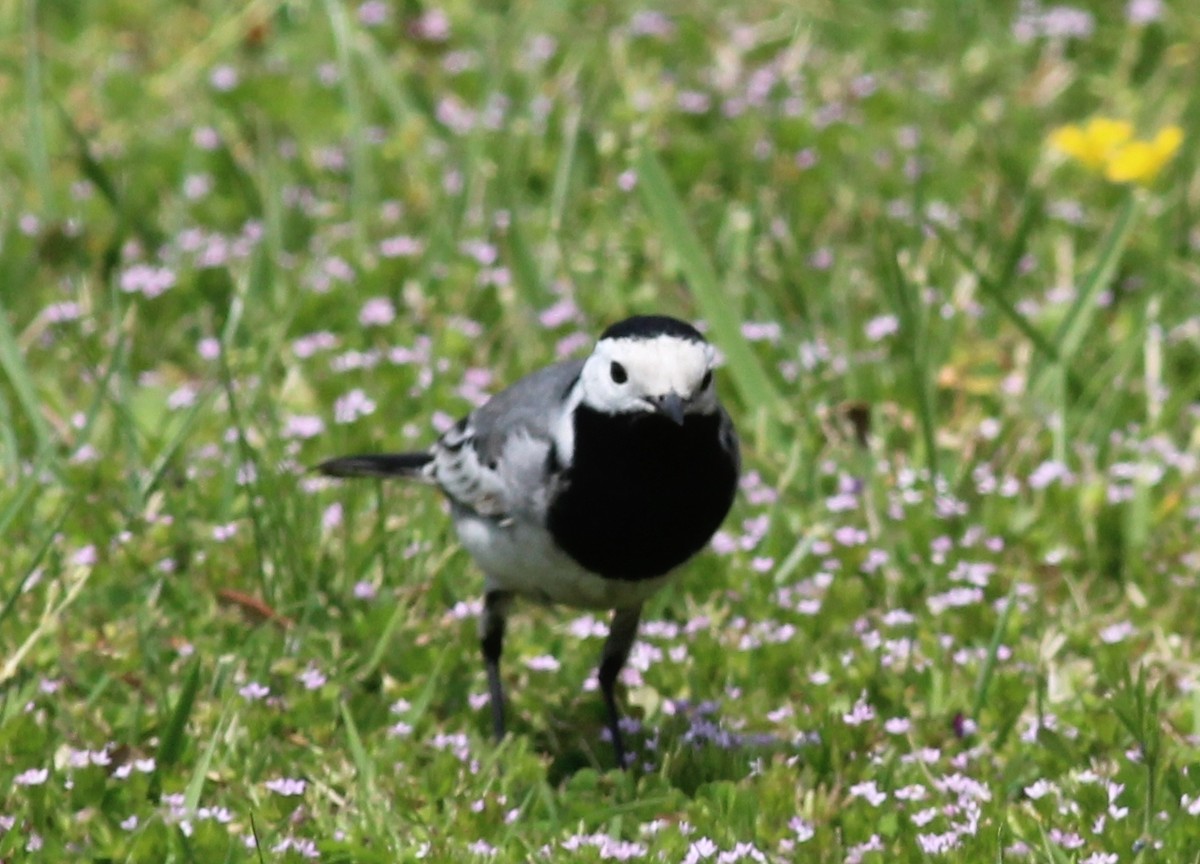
[520, 557]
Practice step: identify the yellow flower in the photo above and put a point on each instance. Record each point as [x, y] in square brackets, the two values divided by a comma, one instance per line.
[1140, 161]
[1093, 144]
[1108, 146]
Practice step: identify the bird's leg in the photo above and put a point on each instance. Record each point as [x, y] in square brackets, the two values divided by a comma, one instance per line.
[491, 640]
[621, 634]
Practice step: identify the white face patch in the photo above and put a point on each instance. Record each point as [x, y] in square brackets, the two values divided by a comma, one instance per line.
[627, 375]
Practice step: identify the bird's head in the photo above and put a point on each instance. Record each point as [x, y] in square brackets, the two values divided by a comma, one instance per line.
[650, 364]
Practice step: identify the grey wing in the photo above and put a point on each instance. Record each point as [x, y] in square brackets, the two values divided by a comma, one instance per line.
[495, 460]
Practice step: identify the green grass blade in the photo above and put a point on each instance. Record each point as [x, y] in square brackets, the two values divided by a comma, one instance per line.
[994, 292]
[984, 681]
[383, 643]
[1031, 210]
[36, 149]
[667, 210]
[366, 772]
[360, 181]
[170, 748]
[906, 302]
[1079, 317]
[18, 502]
[19, 377]
[565, 169]
[364, 769]
[50, 536]
[195, 786]
[163, 460]
[95, 171]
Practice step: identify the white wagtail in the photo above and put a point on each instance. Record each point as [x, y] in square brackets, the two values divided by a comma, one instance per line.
[585, 483]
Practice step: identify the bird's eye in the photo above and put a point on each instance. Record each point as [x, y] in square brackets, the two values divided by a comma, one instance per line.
[706, 381]
[618, 373]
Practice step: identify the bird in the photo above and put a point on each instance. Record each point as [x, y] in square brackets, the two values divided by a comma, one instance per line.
[584, 484]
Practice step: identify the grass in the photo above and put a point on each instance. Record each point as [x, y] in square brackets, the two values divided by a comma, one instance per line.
[953, 614]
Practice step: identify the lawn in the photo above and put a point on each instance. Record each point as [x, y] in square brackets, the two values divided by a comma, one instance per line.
[953, 615]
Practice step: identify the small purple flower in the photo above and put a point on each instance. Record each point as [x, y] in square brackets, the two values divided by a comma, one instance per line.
[100, 757]
[352, 406]
[332, 517]
[821, 259]
[855, 854]
[223, 78]
[147, 280]
[861, 713]
[478, 700]
[1066, 839]
[441, 422]
[1049, 472]
[700, 850]
[724, 543]
[765, 331]
[377, 312]
[1141, 12]
[1119, 632]
[197, 186]
[364, 590]
[182, 397]
[694, 102]
[302, 846]
[543, 663]
[882, 326]
[869, 791]
[206, 138]
[253, 691]
[938, 844]
[373, 13]
[32, 777]
[571, 343]
[312, 678]
[1039, 789]
[432, 26]
[953, 599]
[560, 313]
[481, 848]
[58, 313]
[306, 346]
[303, 426]
[286, 786]
[651, 23]
[803, 830]
[401, 246]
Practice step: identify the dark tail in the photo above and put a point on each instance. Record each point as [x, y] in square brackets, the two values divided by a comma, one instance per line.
[376, 465]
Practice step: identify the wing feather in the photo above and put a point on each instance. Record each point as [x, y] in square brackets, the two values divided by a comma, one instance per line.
[495, 461]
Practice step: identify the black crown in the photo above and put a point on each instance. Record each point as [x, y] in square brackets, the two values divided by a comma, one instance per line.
[650, 326]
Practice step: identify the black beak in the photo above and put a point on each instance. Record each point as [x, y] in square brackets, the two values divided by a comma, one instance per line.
[670, 405]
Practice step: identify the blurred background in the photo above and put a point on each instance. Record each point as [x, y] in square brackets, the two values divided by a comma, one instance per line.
[948, 251]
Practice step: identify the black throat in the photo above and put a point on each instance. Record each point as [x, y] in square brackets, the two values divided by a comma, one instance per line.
[642, 494]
